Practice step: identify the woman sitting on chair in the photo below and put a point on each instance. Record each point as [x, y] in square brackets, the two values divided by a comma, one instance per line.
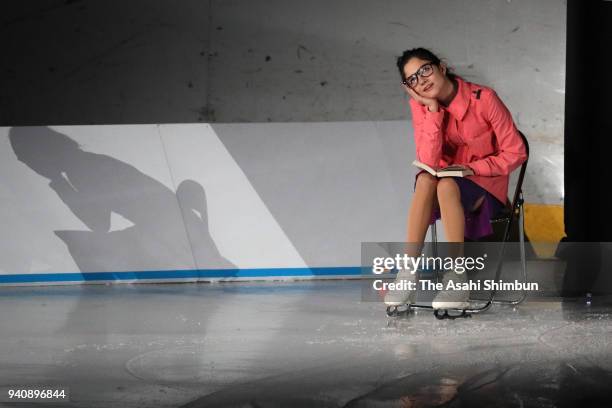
[455, 122]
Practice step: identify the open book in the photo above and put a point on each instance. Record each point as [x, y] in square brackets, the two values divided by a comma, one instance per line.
[454, 170]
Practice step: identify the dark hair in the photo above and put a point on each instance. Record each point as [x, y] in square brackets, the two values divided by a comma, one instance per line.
[424, 54]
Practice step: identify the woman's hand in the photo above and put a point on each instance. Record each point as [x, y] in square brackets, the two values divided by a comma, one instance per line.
[431, 103]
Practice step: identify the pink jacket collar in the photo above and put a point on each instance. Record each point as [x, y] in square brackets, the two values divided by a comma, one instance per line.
[459, 105]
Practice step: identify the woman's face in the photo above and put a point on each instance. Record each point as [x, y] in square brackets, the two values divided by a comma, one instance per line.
[431, 85]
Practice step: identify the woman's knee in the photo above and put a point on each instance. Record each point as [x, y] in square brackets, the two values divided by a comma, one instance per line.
[447, 187]
[426, 180]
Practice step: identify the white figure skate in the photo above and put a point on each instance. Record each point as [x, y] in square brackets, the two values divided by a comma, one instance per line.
[400, 297]
[452, 298]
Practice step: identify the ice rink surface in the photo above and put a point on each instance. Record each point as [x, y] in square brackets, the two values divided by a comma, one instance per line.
[296, 344]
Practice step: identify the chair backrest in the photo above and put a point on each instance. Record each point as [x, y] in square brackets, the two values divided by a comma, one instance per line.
[519, 183]
[518, 190]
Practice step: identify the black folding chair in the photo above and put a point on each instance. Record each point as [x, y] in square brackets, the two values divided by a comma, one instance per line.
[506, 215]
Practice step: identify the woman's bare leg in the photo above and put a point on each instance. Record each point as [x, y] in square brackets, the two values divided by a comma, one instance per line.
[419, 215]
[453, 218]
[451, 209]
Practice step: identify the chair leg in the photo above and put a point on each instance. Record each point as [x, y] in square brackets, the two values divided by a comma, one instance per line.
[522, 239]
[434, 239]
[521, 225]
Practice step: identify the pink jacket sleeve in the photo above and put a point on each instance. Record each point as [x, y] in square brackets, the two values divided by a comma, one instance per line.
[512, 152]
[428, 136]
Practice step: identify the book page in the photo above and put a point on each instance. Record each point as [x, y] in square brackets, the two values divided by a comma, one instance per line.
[424, 167]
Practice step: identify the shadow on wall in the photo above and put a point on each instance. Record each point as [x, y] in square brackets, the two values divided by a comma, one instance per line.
[95, 185]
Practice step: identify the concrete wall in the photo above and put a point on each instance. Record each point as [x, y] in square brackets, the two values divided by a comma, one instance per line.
[154, 61]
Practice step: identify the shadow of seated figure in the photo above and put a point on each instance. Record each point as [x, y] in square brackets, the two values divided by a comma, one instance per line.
[94, 186]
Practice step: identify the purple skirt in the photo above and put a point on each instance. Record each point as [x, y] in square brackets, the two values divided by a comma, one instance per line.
[477, 223]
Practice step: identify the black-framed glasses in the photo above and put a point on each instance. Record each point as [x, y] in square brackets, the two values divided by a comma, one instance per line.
[424, 71]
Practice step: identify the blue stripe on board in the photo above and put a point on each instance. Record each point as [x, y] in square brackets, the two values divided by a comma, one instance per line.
[180, 274]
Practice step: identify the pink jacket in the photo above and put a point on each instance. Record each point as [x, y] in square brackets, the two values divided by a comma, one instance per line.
[475, 129]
